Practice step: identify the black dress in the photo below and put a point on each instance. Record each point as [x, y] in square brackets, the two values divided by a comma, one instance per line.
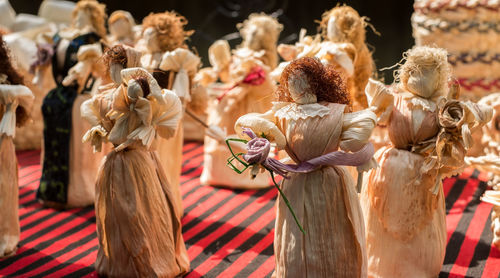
[57, 117]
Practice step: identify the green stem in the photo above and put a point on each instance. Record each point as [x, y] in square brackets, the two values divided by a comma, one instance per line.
[286, 202]
[272, 176]
[231, 149]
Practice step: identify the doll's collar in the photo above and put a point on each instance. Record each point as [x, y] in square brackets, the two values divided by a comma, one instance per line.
[294, 111]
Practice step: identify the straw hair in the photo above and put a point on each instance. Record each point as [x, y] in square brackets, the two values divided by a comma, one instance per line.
[323, 81]
[266, 38]
[117, 15]
[348, 21]
[424, 57]
[170, 29]
[351, 27]
[97, 13]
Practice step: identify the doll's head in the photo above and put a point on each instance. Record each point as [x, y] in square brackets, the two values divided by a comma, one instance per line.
[307, 80]
[90, 13]
[120, 57]
[343, 24]
[261, 32]
[120, 24]
[425, 72]
[165, 31]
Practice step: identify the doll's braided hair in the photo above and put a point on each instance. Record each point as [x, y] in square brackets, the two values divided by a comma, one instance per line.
[324, 81]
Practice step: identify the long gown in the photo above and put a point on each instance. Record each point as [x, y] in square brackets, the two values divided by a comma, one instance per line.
[170, 150]
[69, 167]
[223, 112]
[138, 223]
[9, 188]
[325, 201]
[404, 212]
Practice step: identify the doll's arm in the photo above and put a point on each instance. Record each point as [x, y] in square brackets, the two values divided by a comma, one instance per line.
[380, 100]
[94, 110]
[87, 55]
[342, 54]
[18, 100]
[262, 125]
[357, 128]
[170, 113]
[205, 76]
[185, 63]
[288, 51]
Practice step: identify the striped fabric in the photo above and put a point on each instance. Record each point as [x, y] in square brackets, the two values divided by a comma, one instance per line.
[228, 233]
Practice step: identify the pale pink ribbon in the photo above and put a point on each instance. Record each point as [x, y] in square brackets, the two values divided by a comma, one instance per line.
[258, 152]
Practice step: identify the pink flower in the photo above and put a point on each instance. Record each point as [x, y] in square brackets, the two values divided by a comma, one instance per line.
[257, 151]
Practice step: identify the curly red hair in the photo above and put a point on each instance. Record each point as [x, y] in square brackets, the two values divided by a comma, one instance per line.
[13, 77]
[324, 81]
[115, 55]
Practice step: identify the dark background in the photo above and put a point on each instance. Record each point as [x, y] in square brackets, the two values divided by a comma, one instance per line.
[213, 19]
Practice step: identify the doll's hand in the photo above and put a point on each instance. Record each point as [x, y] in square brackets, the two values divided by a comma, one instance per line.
[78, 73]
[217, 133]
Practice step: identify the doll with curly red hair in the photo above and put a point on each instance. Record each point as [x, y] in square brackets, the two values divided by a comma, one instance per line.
[312, 122]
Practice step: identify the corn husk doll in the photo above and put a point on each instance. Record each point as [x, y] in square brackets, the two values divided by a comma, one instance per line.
[402, 200]
[69, 167]
[341, 43]
[121, 28]
[312, 121]
[24, 47]
[138, 224]
[115, 59]
[15, 106]
[490, 163]
[166, 56]
[249, 89]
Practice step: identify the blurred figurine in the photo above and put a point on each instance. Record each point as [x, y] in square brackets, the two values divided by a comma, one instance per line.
[312, 121]
[121, 28]
[249, 88]
[15, 107]
[69, 167]
[166, 57]
[490, 162]
[402, 199]
[343, 46]
[138, 225]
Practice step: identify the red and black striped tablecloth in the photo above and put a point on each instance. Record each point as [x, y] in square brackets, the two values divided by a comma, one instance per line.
[228, 233]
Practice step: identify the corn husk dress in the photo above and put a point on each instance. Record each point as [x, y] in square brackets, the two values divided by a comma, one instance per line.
[325, 200]
[402, 199]
[223, 111]
[138, 225]
[180, 66]
[11, 97]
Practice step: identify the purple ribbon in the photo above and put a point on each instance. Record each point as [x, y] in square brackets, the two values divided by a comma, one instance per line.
[258, 151]
[43, 56]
